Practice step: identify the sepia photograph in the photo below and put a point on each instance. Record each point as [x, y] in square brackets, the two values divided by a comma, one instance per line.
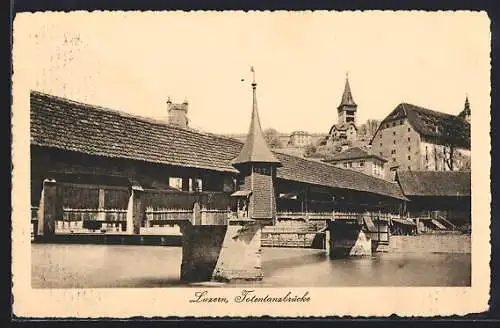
[268, 158]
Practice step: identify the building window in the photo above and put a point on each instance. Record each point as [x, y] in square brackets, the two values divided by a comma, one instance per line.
[401, 122]
[409, 130]
[380, 135]
[345, 164]
[393, 123]
[409, 139]
[409, 157]
[198, 185]
[349, 164]
[175, 183]
[409, 148]
[393, 159]
[393, 133]
[261, 170]
[361, 163]
[387, 125]
[393, 142]
[380, 144]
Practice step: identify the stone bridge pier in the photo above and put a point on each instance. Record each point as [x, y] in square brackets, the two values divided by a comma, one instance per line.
[221, 252]
[345, 238]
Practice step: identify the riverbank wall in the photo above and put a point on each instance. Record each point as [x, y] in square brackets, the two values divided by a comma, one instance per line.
[431, 243]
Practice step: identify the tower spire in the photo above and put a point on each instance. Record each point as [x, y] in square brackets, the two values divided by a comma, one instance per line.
[347, 99]
[466, 112]
[255, 148]
[347, 108]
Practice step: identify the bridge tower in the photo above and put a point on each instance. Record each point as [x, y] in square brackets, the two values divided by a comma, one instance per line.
[257, 166]
[233, 251]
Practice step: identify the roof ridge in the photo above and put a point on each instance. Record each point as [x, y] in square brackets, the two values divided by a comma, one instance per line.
[129, 115]
[425, 109]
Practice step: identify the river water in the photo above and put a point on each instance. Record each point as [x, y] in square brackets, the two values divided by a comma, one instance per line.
[98, 266]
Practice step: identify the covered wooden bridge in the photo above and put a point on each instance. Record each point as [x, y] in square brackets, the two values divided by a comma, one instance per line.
[91, 165]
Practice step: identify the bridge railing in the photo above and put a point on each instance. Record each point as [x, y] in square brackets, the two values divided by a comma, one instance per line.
[162, 216]
[214, 216]
[337, 215]
[94, 214]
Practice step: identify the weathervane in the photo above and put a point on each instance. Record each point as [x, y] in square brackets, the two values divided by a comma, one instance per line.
[253, 75]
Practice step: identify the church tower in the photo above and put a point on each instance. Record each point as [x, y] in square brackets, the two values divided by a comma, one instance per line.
[257, 166]
[347, 108]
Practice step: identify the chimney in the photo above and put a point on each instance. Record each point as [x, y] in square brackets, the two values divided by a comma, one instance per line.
[177, 113]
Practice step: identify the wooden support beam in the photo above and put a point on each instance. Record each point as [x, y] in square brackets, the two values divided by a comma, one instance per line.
[197, 213]
[135, 211]
[185, 184]
[48, 209]
[101, 216]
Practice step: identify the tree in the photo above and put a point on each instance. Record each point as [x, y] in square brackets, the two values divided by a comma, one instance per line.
[450, 158]
[310, 150]
[369, 127]
[466, 165]
[272, 138]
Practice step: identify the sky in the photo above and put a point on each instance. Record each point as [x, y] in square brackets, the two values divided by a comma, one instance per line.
[134, 61]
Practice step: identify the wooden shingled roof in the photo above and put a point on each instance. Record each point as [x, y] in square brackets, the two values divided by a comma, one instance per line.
[324, 174]
[435, 183]
[60, 123]
[64, 124]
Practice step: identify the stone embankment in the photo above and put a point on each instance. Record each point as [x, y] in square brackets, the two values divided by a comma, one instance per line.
[431, 243]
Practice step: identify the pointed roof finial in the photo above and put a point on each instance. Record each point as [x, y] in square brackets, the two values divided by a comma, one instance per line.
[255, 148]
[467, 105]
[465, 113]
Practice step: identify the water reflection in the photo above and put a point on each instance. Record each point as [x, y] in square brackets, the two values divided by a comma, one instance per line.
[95, 266]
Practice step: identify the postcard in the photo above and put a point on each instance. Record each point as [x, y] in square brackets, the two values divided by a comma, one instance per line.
[283, 164]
